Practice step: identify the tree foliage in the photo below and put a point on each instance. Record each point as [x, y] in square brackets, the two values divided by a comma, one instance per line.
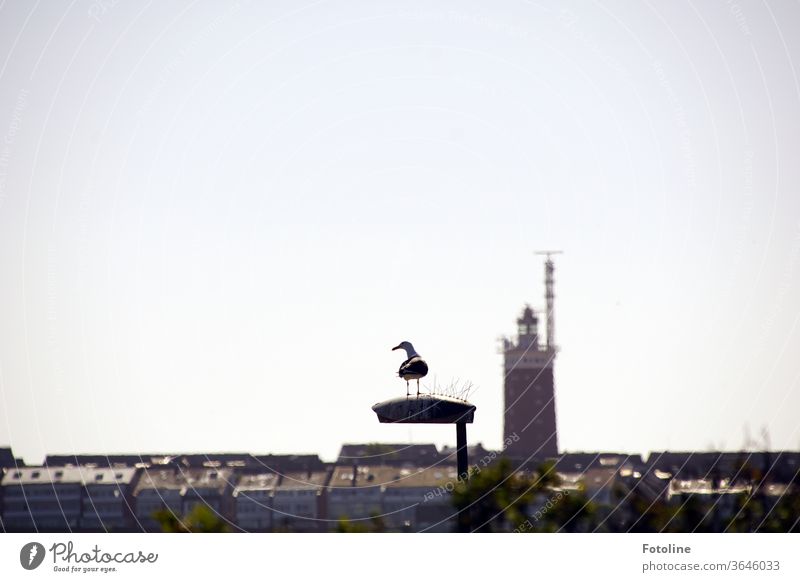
[499, 498]
[201, 519]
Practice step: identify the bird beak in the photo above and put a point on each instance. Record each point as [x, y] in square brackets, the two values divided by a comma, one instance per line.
[395, 348]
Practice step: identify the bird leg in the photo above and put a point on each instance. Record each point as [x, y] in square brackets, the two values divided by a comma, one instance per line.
[406, 388]
[417, 387]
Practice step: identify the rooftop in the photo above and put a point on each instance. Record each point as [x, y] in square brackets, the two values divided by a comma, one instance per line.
[387, 453]
[184, 479]
[257, 482]
[75, 475]
[304, 480]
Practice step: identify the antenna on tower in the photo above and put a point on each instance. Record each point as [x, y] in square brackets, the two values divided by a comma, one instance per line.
[549, 268]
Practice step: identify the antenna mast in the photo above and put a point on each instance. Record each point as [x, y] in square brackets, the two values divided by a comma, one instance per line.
[549, 268]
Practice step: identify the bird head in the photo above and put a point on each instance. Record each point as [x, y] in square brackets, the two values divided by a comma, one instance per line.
[410, 351]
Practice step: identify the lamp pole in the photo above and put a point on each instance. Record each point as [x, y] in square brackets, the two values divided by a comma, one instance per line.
[432, 409]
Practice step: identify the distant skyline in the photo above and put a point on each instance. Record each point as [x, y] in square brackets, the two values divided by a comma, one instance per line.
[217, 220]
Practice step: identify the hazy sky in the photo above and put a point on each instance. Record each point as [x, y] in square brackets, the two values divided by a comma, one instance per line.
[216, 219]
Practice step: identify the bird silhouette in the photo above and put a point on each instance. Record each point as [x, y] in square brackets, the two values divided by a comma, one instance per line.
[414, 367]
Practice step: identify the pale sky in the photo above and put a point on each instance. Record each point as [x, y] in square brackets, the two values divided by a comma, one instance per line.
[217, 219]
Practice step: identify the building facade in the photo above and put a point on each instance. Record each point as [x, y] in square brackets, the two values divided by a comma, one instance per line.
[63, 499]
[529, 393]
[529, 425]
[252, 498]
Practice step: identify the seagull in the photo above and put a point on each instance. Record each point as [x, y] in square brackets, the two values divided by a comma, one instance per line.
[414, 367]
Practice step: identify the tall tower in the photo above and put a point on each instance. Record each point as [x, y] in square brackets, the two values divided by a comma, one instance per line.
[529, 428]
